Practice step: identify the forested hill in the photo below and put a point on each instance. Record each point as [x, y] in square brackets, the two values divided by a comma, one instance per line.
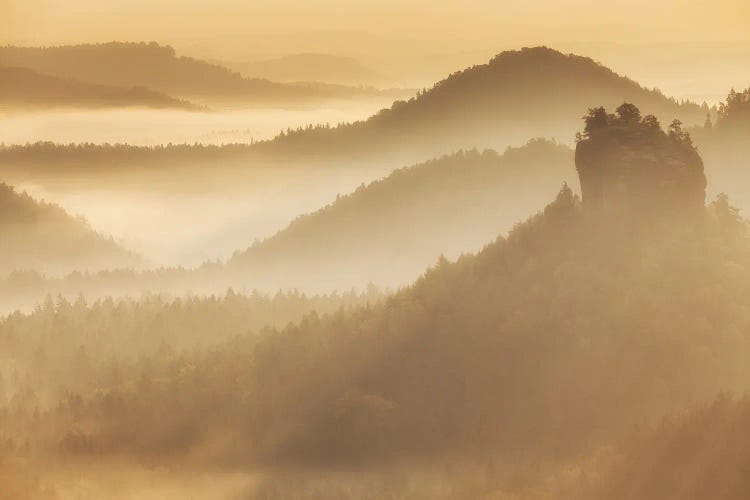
[713, 443]
[22, 88]
[535, 92]
[522, 362]
[44, 237]
[385, 233]
[540, 348]
[389, 231]
[724, 142]
[160, 68]
[518, 94]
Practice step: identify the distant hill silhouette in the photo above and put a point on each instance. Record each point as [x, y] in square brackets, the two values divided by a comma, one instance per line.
[543, 347]
[309, 67]
[22, 88]
[159, 68]
[533, 92]
[508, 373]
[44, 237]
[385, 233]
[389, 231]
[518, 94]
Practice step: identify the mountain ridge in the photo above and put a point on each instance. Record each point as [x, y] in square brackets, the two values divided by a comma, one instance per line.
[488, 106]
[25, 88]
[309, 66]
[44, 237]
[160, 68]
[431, 200]
[351, 242]
[532, 92]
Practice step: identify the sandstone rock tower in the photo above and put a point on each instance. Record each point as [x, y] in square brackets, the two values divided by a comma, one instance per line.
[626, 162]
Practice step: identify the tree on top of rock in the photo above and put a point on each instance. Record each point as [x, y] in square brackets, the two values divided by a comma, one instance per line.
[626, 160]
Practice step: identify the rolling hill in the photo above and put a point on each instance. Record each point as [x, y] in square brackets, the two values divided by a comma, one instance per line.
[43, 237]
[309, 68]
[508, 373]
[389, 231]
[533, 92]
[530, 92]
[386, 232]
[520, 360]
[159, 68]
[22, 88]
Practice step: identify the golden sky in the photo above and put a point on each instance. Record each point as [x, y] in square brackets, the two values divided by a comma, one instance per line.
[450, 21]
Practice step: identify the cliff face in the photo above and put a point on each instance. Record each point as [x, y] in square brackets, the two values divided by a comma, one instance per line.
[626, 162]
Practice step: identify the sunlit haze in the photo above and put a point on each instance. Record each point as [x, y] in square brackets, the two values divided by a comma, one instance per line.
[374, 250]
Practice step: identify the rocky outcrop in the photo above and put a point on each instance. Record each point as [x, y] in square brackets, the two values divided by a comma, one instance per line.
[626, 162]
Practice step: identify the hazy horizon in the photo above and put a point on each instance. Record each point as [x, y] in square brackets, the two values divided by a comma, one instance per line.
[632, 37]
[48, 22]
[374, 250]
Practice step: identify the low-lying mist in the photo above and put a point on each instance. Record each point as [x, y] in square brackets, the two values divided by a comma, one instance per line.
[187, 228]
[403, 307]
[385, 232]
[154, 127]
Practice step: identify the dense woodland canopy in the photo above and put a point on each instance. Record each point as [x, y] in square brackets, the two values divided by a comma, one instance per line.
[396, 362]
[93, 342]
[724, 143]
[735, 113]
[532, 348]
[44, 237]
[585, 354]
[730, 120]
[703, 453]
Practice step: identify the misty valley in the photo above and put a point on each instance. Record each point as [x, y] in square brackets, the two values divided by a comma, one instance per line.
[293, 277]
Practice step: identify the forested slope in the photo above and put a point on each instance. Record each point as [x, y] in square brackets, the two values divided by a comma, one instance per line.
[160, 68]
[514, 371]
[518, 94]
[24, 89]
[390, 230]
[533, 92]
[386, 232]
[43, 237]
